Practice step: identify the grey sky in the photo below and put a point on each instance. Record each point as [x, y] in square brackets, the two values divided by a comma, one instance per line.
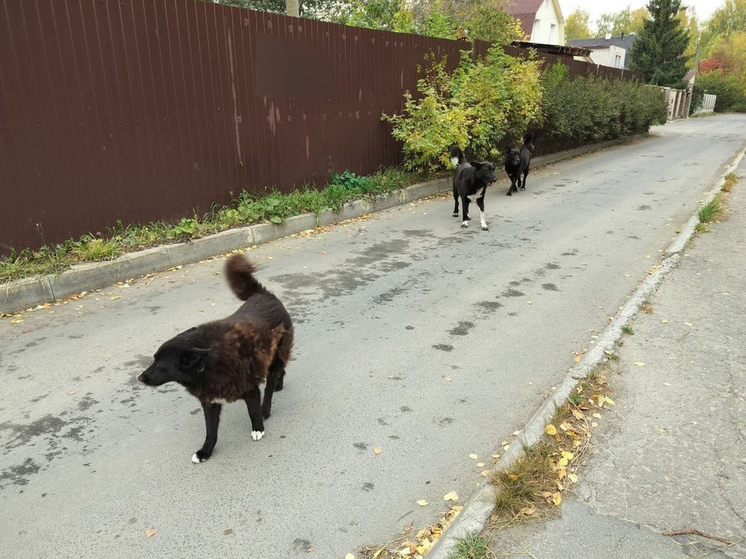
[595, 8]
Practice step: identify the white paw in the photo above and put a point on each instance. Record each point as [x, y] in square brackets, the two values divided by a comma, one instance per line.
[465, 224]
[256, 435]
[484, 226]
[195, 459]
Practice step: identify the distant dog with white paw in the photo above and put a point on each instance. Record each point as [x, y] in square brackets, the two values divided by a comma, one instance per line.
[470, 182]
[227, 360]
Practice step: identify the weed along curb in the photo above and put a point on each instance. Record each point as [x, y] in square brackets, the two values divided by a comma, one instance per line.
[28, 292]
[478, 509]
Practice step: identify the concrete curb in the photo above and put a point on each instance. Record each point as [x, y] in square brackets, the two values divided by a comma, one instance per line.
[478, 509]
[28, 292]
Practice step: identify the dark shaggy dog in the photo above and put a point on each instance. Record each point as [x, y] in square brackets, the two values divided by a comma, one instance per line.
[517, 163]
[226, 360]
[470, 182]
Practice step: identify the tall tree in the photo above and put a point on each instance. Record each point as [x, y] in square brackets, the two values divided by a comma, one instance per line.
[729, 18]
[619, 23]
[577, 25]
[658, 51]
[638, 17]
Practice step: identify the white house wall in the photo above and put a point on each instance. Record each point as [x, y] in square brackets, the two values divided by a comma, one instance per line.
[608, 56]
[547, 16]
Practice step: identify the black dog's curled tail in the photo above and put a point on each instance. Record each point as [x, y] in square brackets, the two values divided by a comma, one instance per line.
[528, 137]
[456, 155]
[240, 274]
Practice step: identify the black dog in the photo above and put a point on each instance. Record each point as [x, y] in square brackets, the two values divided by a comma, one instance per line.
[470, 182]
[517, 163]
[226, 360]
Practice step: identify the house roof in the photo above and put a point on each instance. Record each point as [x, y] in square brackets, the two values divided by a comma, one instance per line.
[525, 11]
[601, 42]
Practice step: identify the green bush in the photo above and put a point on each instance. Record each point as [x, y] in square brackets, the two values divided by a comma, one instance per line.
[727, 87]
[246, 209]
[589, 109]
[484, 104]
[698, 97]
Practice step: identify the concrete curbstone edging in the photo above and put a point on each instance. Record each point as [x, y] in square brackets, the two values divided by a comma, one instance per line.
[28, 292]
[476, 513]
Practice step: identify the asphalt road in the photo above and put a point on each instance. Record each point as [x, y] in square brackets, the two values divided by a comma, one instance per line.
[412, 335]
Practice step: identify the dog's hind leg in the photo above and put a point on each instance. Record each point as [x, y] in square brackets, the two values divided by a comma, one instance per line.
[523, 184]
[212, 420]
[482, 214]
[254, 404]
[274, 379]
[455, 199]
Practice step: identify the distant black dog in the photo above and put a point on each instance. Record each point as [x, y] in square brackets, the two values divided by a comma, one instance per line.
[517, 163]
[226, 360]
[470, 182]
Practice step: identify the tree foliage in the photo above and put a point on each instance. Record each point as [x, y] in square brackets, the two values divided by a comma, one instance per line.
[659, 49]
[448, 19]
[483, 105]
[728, 88]
[577, 25]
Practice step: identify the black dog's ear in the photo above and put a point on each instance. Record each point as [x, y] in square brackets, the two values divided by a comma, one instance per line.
[477, 165]
[193, 358]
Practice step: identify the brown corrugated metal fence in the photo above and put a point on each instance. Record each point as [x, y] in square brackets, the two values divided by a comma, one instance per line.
[139, 110]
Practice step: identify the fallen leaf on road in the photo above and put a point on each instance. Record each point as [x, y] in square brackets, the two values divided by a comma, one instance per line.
[485, 473]
[447, 379]
[550, 430]
[309, 550]
[573, 478]
[568, 455]
[480, 464]
[377, 450]
[640, 364]
[557, 499]
[452, 496]
[688, 324]
[597, 415]
[115, 298]
[664, 321]
[578, 414]
[349, 556]
[473, 456]
[422, 502]
[150, 532]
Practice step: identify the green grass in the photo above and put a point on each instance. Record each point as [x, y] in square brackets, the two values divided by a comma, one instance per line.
[711, 210]
[521, 486]
[730, 180]
[246, 209]
[473, 546]
[627, 329]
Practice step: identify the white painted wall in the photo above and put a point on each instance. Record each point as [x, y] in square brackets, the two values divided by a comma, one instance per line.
[549, 28]
[612, 56]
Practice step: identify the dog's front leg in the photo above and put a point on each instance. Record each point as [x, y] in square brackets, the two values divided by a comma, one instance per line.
[455, 200]
[482, 214]
[212, 420]
[254, 404]
[465, 211]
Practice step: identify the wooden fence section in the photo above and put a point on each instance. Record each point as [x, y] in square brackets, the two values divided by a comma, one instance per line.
[139, 110]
